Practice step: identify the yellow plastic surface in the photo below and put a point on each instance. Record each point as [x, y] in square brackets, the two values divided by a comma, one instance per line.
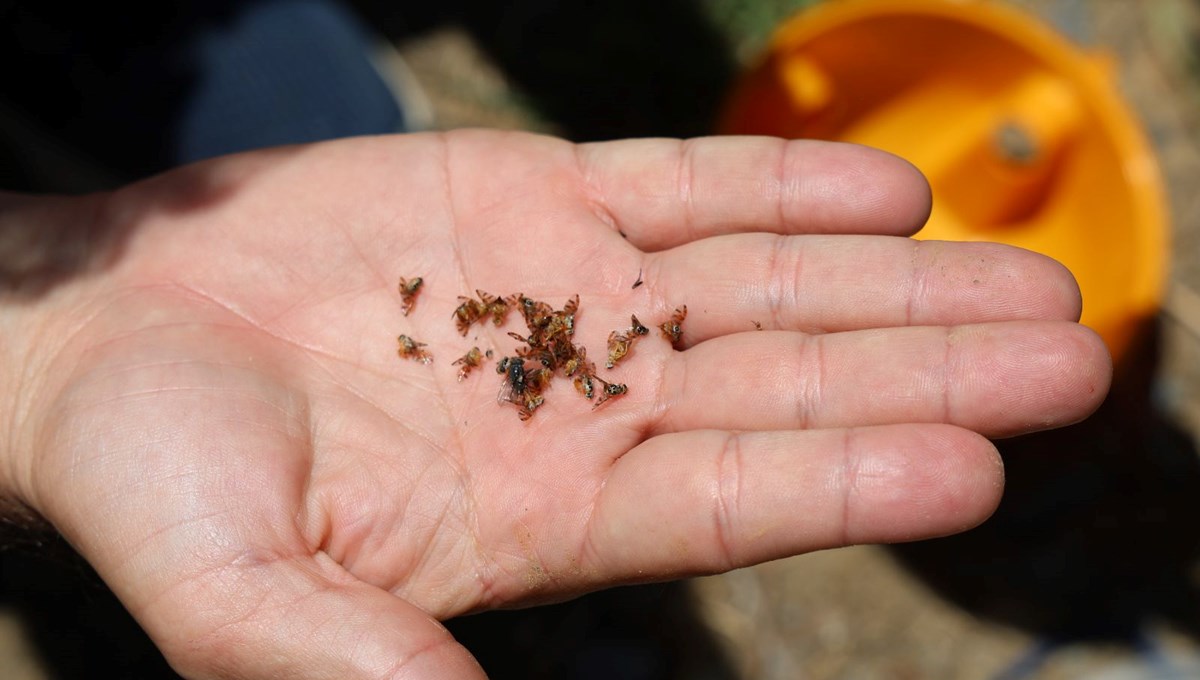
[1022, 136]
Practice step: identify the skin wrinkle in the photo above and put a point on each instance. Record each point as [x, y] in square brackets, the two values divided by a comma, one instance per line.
[347, 555]
[141, 395]
[949, 370]
[351, 546]
[779, 243]
[594, 198]
[652, 268]
[727, 504]
[236, 567]
[684, 177]
[339, 383]
[425, 554]
[456, 249]
[586, 552]
[134, 551]
[249, 615]
[398, 671]
[385, 283]
[316, 354]
[815, 383]
[486, 567]
[454, 452]
[677, 365]
[128, 368]
[916, 282]
[777, 185]
[851, 462]
[198, 644]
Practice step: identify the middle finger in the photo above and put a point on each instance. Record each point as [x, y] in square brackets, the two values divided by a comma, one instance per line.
[821, 284]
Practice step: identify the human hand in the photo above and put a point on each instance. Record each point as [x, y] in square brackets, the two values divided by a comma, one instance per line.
[217, 419]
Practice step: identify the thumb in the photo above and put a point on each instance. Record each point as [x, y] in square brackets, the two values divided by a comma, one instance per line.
[302, 618]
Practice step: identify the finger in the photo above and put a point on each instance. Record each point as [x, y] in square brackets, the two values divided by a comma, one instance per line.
[739, 498]
[661, 193]
[999, 379]
[838, 283]
[301, 618]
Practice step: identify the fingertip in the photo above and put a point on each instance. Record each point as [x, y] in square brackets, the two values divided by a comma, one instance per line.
[1058, 374]
[906, 195]
[1052, 292]
[921, 482]
[860, 189]
[1092, 373]
[974, 282]
[1067, 297]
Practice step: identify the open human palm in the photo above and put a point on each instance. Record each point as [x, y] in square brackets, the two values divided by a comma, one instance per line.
[219, 421]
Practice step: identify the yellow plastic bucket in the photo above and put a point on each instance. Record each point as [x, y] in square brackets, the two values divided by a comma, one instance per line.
[1022, 136]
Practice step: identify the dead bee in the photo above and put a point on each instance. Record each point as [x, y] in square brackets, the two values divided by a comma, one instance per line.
[572, 305]
[577, 360]
[610, 390]
[672, 329]
[468, 312]
[619, 343]
[546, 359]
[562, 322]
[636, 326]
[469, 361]
[408, 293]
[584, 383]
[559, 325]
[618, 347]
[411, 349]
[496, 306]
[521, 338]
[562, 351]
[537, 314]
[537, 380]
[532, 402]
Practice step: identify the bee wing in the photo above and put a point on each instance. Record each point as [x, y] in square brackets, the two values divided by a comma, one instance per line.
[505, 395]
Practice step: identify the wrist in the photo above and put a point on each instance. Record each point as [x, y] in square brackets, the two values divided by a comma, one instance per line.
[45, 244]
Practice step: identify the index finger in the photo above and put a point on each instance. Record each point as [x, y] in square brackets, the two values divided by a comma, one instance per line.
[660, 193]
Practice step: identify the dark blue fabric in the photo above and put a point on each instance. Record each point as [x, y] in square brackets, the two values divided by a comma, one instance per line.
[140, 88]
[280, 72]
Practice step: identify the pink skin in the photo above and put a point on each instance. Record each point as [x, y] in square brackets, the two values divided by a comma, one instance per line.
[215, 416]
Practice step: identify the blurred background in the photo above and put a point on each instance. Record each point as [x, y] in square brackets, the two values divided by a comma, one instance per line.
[1091, 568]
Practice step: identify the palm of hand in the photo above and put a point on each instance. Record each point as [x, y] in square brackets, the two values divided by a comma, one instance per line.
[232, 426]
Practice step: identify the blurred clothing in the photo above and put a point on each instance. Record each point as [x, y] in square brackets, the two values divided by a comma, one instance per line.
[139, 90]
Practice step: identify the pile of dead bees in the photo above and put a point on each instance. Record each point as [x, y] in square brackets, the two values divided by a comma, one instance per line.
[546, 351]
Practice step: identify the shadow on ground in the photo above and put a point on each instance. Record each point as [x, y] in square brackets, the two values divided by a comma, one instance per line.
[80, 630]
[634, 633]
[1096, 537]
